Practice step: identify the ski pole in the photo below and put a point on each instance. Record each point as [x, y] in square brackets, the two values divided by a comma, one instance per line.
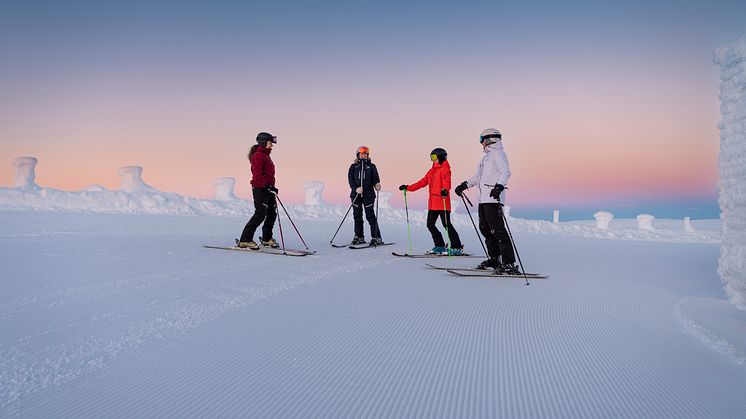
[479, 236]
[279, 221]
[409, 230]
[291, 220]
[378, 225]
[505, 220]
[343, 219]
[445, 223]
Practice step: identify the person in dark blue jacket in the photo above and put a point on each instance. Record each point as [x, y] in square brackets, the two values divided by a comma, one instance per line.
[364, 182]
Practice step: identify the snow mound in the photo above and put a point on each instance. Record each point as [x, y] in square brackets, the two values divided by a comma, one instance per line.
[25, 173]
[731, 58]
[717, 323]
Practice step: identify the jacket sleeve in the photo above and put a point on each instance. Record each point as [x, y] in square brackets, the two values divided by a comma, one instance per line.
[376, 179]
[257, 169]
[351, 177]
[420, 183]
[446, 181]
[502, 168]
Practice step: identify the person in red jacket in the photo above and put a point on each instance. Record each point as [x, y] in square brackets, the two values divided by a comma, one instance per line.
[263, 190]
[438, 180]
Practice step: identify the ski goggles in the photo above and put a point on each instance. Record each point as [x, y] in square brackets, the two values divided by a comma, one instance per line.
[434, 157]
[363, 150]
[483, 138]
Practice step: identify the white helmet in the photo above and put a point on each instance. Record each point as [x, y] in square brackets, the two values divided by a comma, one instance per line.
[490, 136]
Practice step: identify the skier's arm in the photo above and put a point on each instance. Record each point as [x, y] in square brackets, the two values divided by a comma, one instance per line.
[447, 179]
[257, 169]
[420, 183]
[351, 179]
[376, 179]
[502, 168]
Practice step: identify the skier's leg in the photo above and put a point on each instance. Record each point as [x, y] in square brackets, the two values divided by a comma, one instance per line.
[269, 222]
[432, 217]
[484, 227]
[370, 215]
[357, 216]
[503, 239]
[260, 211]
[452, 233]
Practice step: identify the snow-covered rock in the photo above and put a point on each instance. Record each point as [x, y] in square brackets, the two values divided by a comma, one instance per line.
[645, 222]
[383, 199]
[132, 180]
[731, 58]
[314, 192]
[688, 225]
[224, 187]
[603, 219]
[25, 173]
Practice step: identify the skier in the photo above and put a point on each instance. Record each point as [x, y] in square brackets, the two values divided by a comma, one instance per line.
[364, 181]
[263, 190]
[493, 170]
[438, 180]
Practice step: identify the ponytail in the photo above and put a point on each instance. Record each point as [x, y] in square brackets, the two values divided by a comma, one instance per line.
[253, 149]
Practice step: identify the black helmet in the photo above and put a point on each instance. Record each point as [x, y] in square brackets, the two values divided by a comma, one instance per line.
[265, 137]
[438, 154]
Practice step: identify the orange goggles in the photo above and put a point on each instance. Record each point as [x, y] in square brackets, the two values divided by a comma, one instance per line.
[363, 149]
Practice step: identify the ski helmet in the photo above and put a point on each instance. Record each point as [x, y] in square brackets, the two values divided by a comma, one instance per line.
[490, 136]
[438, 155]
[362, 149]
[265, 137]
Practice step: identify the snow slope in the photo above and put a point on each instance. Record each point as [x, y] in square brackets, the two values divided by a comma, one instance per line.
[111, 315]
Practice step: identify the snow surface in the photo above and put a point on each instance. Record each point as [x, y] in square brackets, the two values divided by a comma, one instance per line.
[117, 315]
[731, 58]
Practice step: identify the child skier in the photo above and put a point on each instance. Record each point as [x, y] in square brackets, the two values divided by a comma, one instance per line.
[364, 182]
[494, 170]
[263, 190]
[438, 180]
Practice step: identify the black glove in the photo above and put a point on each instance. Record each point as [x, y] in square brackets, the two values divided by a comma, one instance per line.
[461, 188]
[495, 192]
[403, 187]
[271, 188]
[443, 193]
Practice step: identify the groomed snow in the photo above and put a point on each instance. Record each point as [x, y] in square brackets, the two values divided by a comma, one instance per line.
[116, 315]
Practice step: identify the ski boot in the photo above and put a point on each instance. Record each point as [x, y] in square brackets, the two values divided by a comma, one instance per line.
[376, 241]
[358, 240]
[270, 243]
[248, 245]
[456, 251]
[489, 264]
[509, 268]
[438, 250]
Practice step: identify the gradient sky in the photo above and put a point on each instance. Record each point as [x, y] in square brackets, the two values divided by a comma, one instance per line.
[597, 103]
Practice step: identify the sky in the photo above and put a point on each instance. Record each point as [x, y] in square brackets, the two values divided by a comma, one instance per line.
[600, 104]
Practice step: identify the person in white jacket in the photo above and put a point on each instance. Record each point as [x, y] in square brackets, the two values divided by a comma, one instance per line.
[491, 177]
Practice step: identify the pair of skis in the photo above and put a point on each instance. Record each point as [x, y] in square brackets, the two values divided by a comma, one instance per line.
[360, 246]
[266, 250]
[484, 273]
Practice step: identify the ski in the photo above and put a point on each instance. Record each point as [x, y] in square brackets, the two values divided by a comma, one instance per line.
[492, 272]
[368, 245]
[433, 255]
[341, 246]
[266, 250]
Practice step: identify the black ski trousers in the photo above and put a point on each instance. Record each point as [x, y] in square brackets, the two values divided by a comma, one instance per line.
[265, 210]
[492, 227]
[358, 204]
[445, 219]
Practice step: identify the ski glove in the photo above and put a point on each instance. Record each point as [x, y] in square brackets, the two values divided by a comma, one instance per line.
[443, 193]
[403, 187]
[461, 188]
[377, 187]
[271, 188]
[495, 192]
[359, 190]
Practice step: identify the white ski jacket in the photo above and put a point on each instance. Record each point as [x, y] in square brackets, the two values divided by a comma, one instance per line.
[493, 169]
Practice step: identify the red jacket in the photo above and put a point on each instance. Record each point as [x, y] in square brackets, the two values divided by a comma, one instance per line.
[262, 168]
[437, 178]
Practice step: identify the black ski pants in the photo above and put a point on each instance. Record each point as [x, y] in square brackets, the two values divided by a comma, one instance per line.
[265, 210]
[445, 219]
[365, 203]
[492, 227]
